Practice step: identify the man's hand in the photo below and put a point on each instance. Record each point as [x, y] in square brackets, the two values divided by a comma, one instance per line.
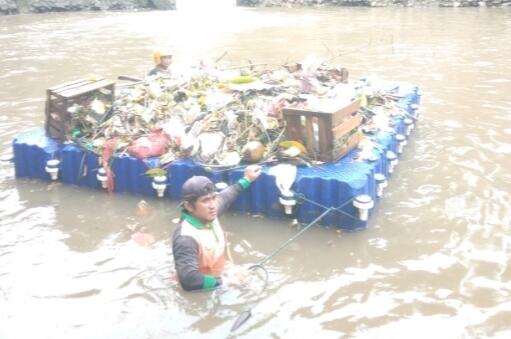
[252, 172]
[237, 276]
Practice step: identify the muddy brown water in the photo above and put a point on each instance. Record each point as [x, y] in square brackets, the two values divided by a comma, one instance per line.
[434, 261]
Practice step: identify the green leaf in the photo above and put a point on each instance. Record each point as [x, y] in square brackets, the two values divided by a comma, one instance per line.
[155, 172]
[363, 100]
[243, 79]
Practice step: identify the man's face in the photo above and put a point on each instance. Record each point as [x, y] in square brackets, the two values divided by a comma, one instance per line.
[205, 208]
[166, 60]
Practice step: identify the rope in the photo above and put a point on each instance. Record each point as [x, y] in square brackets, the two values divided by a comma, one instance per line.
[301, 198]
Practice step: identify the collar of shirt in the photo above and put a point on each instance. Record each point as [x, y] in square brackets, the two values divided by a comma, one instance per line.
[197, 223]
[194, 221]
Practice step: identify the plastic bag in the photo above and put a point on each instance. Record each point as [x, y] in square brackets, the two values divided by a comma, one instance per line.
[152, 145]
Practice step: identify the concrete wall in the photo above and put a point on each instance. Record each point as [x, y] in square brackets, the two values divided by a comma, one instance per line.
[40, 6]
[375, 3]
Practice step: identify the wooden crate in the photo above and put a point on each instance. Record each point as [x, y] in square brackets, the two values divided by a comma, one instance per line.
[59, 98]
[326, 135]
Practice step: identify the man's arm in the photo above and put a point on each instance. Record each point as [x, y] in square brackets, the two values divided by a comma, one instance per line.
[228, 195]
[186, 256]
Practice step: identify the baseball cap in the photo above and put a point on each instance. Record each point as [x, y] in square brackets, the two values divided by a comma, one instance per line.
[196, 187]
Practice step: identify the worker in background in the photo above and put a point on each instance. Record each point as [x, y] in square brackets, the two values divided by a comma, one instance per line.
[198, 244]
[162, 60]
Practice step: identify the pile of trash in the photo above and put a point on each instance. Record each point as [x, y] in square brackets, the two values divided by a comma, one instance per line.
[221, 117]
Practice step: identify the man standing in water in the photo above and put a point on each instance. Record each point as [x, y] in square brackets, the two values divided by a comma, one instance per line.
[162, 60]
[198, 244]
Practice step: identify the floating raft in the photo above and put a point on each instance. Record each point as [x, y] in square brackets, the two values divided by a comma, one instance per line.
[346, 184]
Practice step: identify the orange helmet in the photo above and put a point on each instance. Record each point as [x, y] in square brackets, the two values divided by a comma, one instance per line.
[157, 54]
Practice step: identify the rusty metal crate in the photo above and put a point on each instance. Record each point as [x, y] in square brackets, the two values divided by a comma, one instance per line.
[326, 135]
[60, 98]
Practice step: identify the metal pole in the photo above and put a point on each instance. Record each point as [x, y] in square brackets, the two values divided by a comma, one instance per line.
[312, 223]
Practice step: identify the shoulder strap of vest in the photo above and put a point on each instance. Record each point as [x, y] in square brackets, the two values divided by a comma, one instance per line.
[188, 229]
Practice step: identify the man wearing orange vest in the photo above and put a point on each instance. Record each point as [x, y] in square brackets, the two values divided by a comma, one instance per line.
[198, 244]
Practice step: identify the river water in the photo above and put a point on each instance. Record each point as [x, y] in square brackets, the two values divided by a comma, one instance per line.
[434, 261]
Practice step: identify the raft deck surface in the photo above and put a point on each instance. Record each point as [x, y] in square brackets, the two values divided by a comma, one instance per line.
[331, 184]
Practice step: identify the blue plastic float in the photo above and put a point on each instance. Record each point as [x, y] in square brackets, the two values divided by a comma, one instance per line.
[344, 184]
